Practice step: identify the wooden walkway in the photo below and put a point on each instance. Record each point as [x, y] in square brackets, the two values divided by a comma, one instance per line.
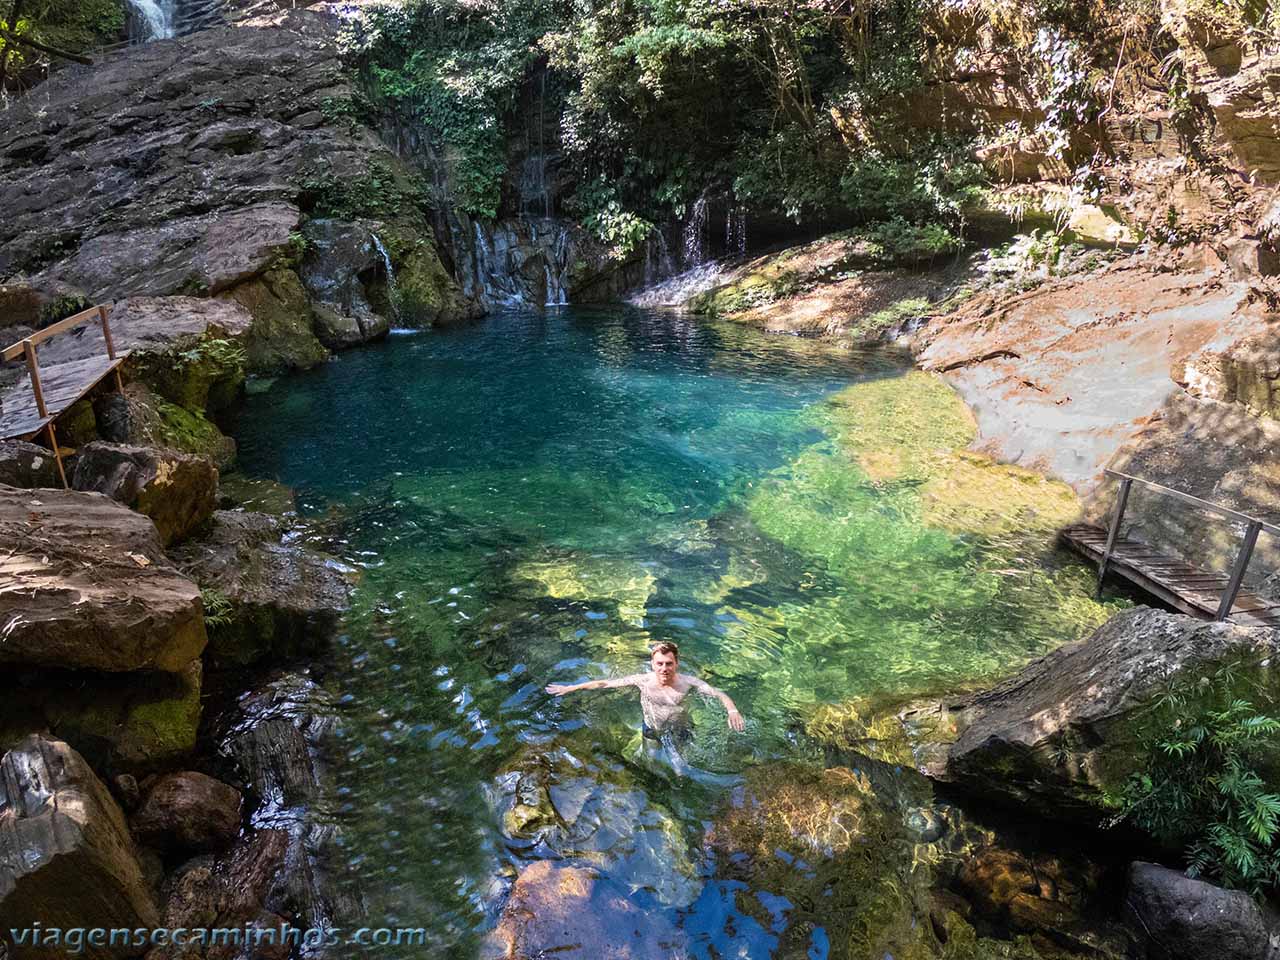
[32, 405]
[1197, 592]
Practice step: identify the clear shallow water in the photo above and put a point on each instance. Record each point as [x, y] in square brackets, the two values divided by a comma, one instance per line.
[537, 499]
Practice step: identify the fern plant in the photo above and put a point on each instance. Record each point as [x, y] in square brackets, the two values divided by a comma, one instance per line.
[1210, 785]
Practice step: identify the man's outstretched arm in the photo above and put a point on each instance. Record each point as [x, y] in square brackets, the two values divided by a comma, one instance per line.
[735, 718]
[559, 689]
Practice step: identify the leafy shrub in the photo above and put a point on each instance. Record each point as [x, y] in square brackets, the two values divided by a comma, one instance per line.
[1210, 784]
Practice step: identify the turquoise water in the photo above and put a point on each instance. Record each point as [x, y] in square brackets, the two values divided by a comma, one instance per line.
[537, 499]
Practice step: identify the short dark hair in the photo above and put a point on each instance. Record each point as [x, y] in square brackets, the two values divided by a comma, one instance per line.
[666, 646]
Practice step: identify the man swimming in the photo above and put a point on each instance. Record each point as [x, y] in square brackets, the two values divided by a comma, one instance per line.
[662, 694]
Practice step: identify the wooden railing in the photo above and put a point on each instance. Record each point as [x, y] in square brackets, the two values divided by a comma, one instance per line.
[27, 347]
[1253, 527]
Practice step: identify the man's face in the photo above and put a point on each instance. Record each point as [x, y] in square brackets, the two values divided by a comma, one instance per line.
[664, 665]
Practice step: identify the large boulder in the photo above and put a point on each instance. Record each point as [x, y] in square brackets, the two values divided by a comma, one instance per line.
[341, 258]
[66, 858]
[277, 598]
[178, 491]
[1172, 917]
[1069, 729]
[27, 465]
[188, 811]
[87, 585]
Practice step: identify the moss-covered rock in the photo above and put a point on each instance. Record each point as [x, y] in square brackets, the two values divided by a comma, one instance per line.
[130, 723]
[78, 425]
[140, 418]
[281, 337]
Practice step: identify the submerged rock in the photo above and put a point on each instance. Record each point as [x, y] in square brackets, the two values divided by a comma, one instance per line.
[66, 858]
[1173, 917]
[1067, 730]
[189, 811]
[797, 837]
[87, 585]
[177, 491]
[555, 804]
[571, 912]
[273, 736]
[27, 465]
[277, 598]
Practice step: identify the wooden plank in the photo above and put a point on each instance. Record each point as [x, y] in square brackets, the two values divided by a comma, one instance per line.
[63, 384]
[1182, 586]
[81, 318]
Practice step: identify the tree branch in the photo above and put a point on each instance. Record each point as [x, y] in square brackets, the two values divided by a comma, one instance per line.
[44, 48]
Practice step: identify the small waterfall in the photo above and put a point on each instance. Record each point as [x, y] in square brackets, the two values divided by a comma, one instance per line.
[695, 234]
[156, 16]
[678, 290]
[735, 230]
[392, 295]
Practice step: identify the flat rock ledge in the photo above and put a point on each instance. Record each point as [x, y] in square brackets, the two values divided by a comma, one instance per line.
[85, 584]
[66, 858]
[1068, 729]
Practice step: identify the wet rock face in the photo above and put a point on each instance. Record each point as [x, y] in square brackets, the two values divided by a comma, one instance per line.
[1173, 917]
[27, 465]
[177, 491]
[66, 858]
[282, 599]
[188, 811]
[569, 911]
[273, 736]
[340, 256]
[1066, 730]
[88, 586]
[199, 115]
[226, 891]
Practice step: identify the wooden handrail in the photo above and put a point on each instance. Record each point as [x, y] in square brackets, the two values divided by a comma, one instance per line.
[1236, 515]
[98, 313]
[1254, 526]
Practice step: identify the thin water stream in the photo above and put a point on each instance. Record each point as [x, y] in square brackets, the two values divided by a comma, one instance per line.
[540, 498]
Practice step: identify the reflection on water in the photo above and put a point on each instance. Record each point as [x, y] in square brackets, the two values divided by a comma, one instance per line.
[538, 499]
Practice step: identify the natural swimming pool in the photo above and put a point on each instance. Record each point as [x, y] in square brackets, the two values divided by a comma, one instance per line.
[540, 497]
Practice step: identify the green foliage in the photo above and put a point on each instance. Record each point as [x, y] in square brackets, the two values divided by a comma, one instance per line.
[216, 352]
[378, 194]
[457, 68]
[1210, 785]
[71, 25]
[217, 608]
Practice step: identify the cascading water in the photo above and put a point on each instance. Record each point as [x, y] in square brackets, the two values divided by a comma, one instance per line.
[392, 295]
[156, 17]
[695, 234]
[735, 230]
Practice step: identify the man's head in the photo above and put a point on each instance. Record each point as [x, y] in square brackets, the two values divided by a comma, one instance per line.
[665, 659]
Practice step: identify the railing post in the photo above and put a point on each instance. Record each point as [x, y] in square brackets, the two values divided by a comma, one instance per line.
[1122, 500]
[106, 332]
[1237, 575]
[33, 368]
